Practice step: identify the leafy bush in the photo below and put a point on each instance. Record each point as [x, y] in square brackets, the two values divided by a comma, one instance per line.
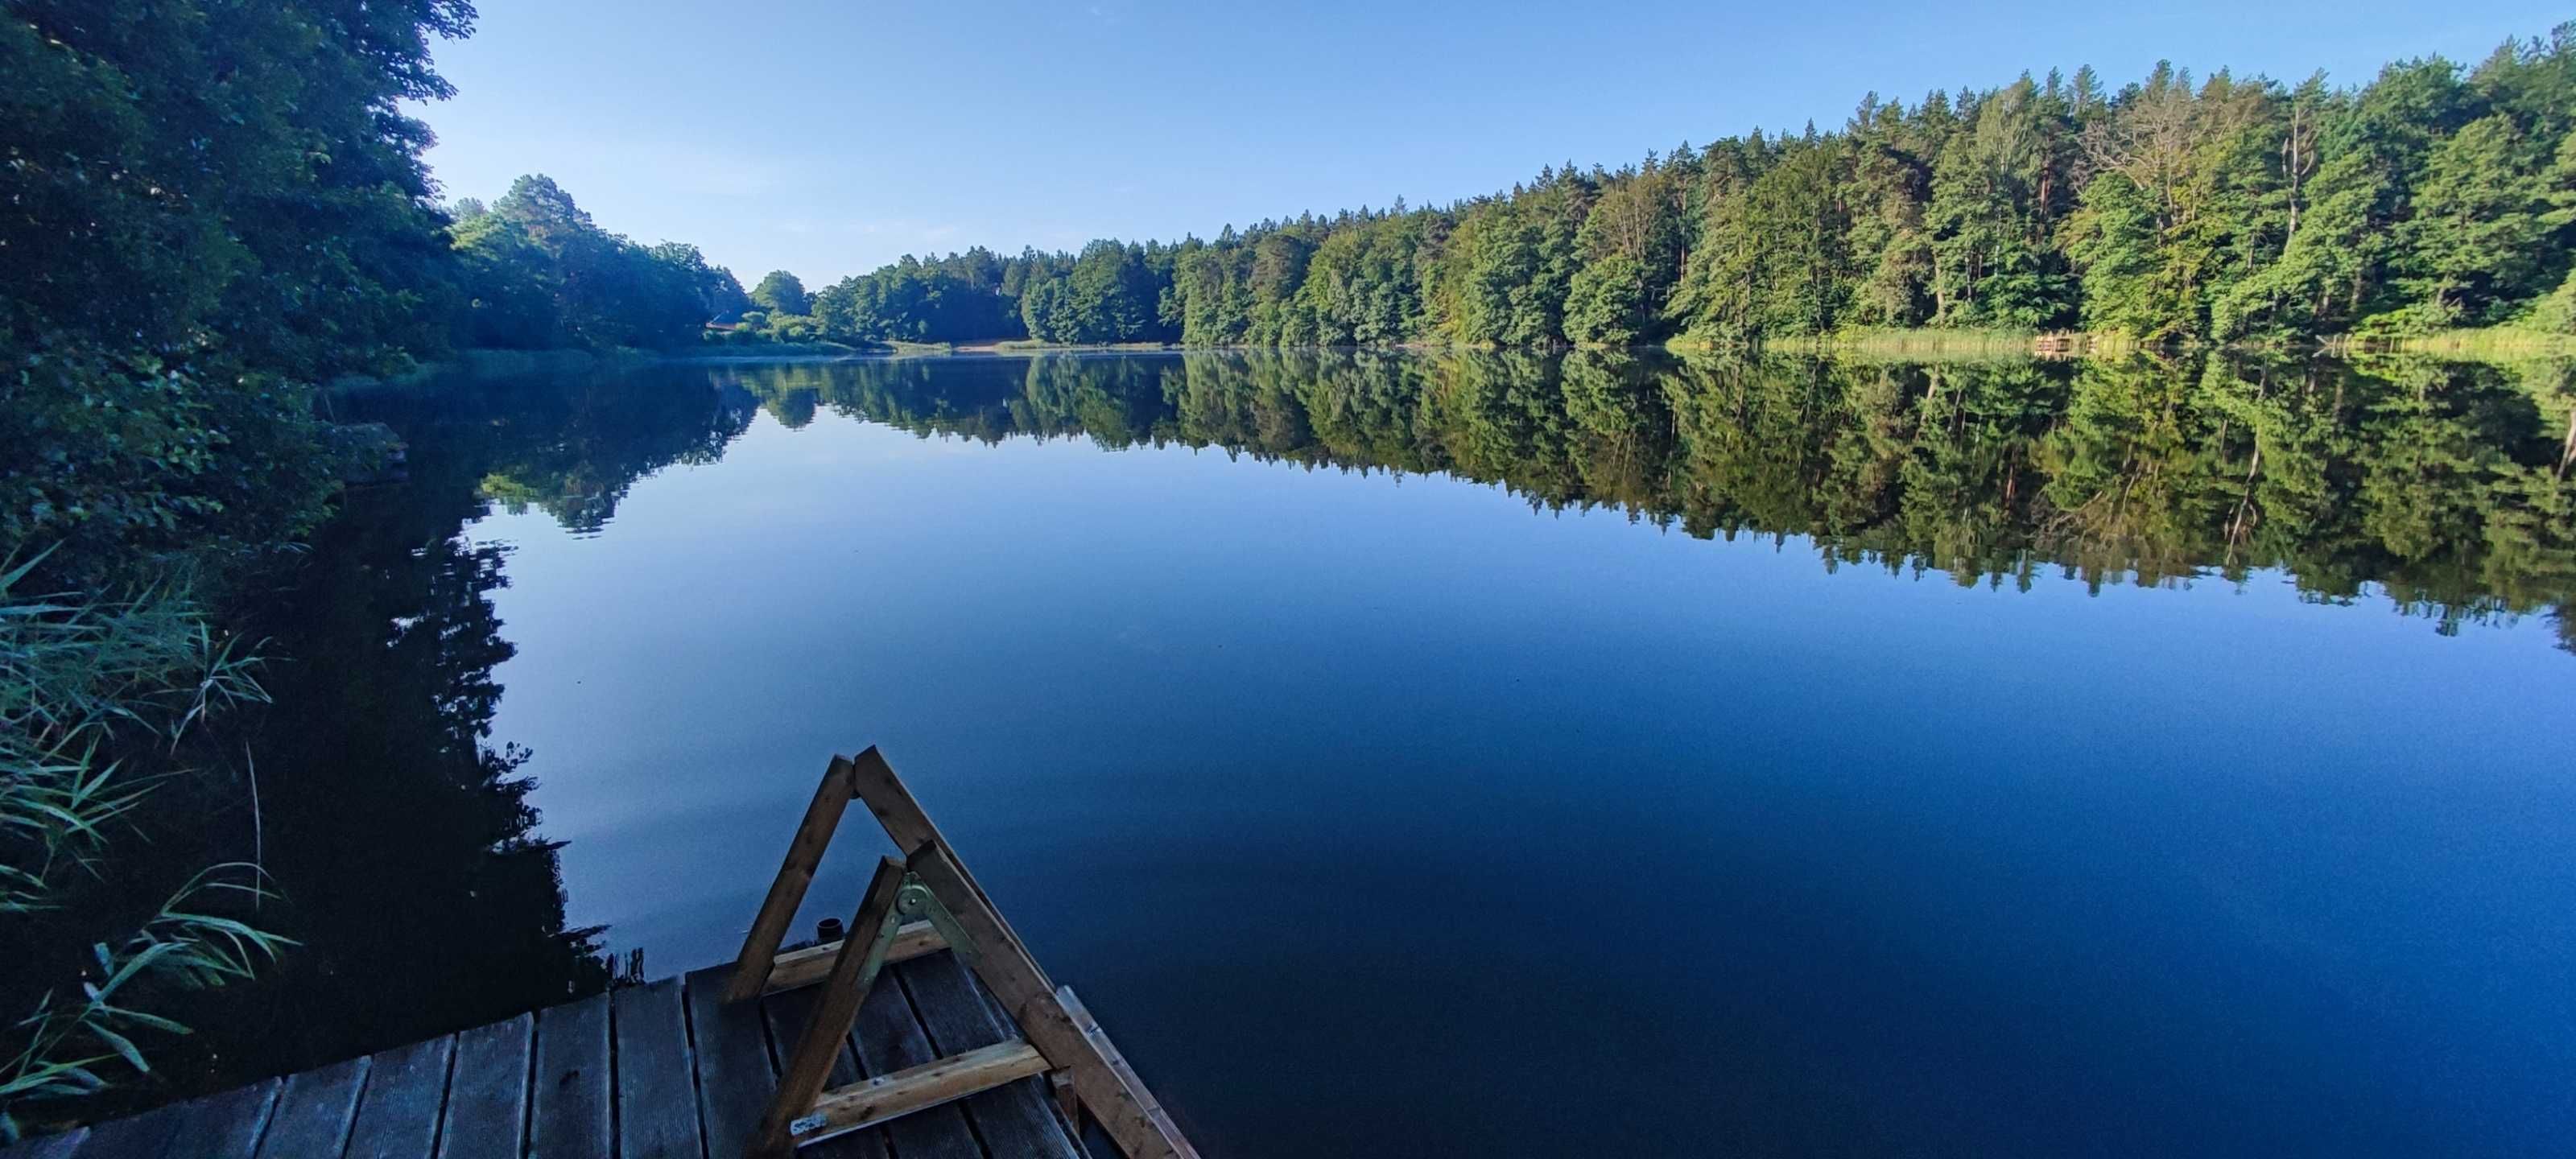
[120, 456]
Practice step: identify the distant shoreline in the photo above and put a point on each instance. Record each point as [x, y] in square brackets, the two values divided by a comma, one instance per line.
[2495, 344]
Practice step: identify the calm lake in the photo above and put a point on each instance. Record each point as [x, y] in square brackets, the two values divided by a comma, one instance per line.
[1504, 755]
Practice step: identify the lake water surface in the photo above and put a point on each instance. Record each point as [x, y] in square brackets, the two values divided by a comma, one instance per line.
[1512, 755]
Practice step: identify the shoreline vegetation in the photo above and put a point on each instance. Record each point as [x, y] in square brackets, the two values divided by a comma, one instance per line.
[2481, 344]
[2488, 345]
[2495, 345]
[187, 266]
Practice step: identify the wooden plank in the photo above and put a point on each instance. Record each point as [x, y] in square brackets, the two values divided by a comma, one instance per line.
[873, 781]
[735, 1078]
[807, 966]
[145, 1136]
[1012, 1120]
[878, 1100]
[657, 1097]
[889, 1040]
[228, 1124]
[895, 808]
[406, 1089]
[568, 1101]
[487, 1099]
[1142, 1127]
[787, 890]
[787, 1015]
[49, 1147]
[1122, 1106]
[804, 1072]
[223, 1125]
[1068, 1105]
[314, 1111]
[1091, 1029]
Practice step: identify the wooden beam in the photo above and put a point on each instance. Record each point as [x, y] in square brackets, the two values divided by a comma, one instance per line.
[1067, 1103]
[1115, 1098]
[873, 781]
[1151, 1107]
[854, 969]
[807, 966]
[1108, 1088]
[870, 1102]
[813, 835]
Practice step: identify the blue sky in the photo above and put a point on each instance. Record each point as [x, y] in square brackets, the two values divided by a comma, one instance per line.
[829, 138]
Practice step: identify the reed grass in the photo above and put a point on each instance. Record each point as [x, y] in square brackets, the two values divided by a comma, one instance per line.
[82, 680]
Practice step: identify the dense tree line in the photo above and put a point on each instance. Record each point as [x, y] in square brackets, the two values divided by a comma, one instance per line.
[536, 273]
[2226, 209]
[1111, 292]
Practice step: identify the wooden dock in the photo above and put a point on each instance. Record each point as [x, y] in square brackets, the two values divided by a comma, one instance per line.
[890, 1044]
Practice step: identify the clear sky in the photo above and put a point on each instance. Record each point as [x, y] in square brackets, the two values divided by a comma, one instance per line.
[829, 138]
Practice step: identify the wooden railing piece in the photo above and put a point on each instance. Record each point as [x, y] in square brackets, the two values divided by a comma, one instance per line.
[854, 969]
[1113, 1095]
[1062, 1040]
[869, 1102]
[797, 968]
[886, 796]
[1146, 1103]
[787, 891]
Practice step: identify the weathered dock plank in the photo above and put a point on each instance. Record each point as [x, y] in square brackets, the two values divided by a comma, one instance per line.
[890, 1038]
[398, 1110]
[227, 1124]
[657, 1092]
[664, 1071]
[314, 1110]
[145, 1136]
[49, 1147]
[224, 1125]
[787, 1014]
[568, 1109]
[487, 1097]
[1012, 1120]
[735, 1075]
[931, 1061]
[778, 909]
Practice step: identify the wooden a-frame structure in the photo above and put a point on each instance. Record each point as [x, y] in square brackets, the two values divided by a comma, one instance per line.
[921, 904]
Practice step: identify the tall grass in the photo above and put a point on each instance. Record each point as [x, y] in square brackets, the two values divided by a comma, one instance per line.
[89, 689]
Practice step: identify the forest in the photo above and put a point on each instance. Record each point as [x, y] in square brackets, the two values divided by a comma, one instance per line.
[183, 269]
[2171, 210]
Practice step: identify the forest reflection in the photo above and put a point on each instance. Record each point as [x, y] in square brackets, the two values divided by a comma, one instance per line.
[2439, 485]
[394, 827]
